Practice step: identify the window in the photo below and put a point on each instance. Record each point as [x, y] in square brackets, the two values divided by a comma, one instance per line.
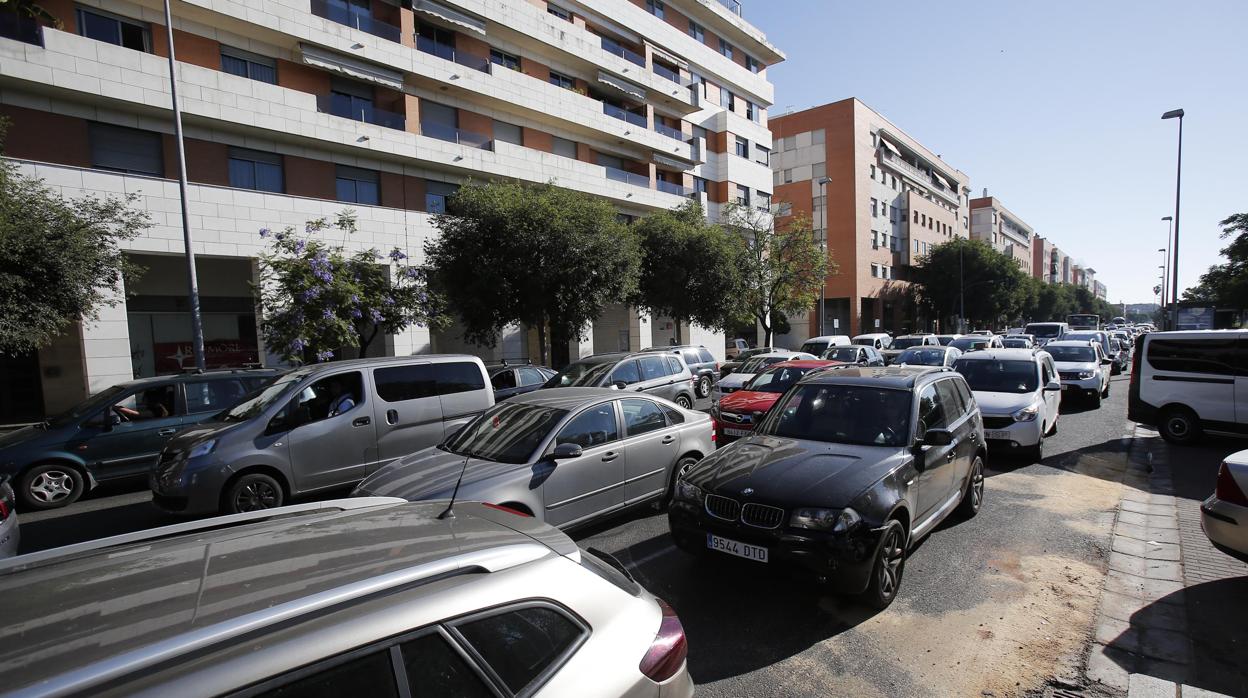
[252, 169]
[655, 7]
[743, 147]
[153, 403]
[503, 379]
[788, 176]
[931, 411]
[564, 147]
[457, 377]
[894, 178]
[114, 29]
[705, 356]
[358, 186]
[126, 150]
[593, 427]
[213, 396]
[652, 367]
[790, 143]
[817, 136]
[248, 65]
[531, 376]
[562, 80]
[504, 59]
[873, 173]
[743, 195]
[752, 64]
[1215, 356]
[751, 111]
[626, 373]
[434, 669]
[437, 194]
[784, 208]
[524, 644]
[508, 133]
[725, 48]
[559, 12]
[674, 367]
[875, 239]
[875, 271]
[727, 100]
[329, 397]
[697, 31]
[699, 184]
[370, 675]
[641, 416]
[819, 170]
[952, 400]
[764, 200]
[874, 208]
[400, 383]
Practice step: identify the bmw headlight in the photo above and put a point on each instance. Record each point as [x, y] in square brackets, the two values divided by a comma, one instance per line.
[1084, 375]
[202, 449]
[685, 490]
[836, 520]
[1027, 414]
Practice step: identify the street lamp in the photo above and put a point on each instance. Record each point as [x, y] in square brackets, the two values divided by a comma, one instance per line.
[1169, 231]
[1174, 246]
[823, 193]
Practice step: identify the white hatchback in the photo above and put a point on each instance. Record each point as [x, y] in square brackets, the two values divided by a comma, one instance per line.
[1018, 394]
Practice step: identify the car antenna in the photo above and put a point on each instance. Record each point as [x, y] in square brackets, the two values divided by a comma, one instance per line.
[450, 506]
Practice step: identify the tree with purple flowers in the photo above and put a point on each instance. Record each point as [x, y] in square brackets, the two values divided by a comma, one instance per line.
[316, 299]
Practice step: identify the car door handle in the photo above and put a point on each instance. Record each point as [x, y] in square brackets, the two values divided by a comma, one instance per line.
[668, 439]
[167, 431]
[949, 457]
[392, 416]
[609, 456]
[361, 422]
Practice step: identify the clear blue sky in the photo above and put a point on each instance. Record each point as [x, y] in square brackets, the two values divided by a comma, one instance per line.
[1053, 106]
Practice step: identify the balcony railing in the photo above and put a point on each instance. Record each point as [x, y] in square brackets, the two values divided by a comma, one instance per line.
[613, 46]
[734, 5]
[19, 28]
[924, 177]
[366, 113]
[451, 134]
[355, 19]
[665, 72]
[673, 188]
[448, 52]
[624, 115]
[668, 131]
[627, 177]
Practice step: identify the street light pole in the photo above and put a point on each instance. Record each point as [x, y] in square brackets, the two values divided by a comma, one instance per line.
[961, 294]
[197, 325]
[1166, 276]
[1174, 255]
[823, 192]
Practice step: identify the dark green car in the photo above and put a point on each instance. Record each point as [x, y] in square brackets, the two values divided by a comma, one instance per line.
[116, 433]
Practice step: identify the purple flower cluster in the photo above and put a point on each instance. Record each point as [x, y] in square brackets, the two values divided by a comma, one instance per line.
[376, 315]
[324, 355]
[297, 345]
[309, 294]
[300, 245]
[264, 232]
[397, 255]
[321, 267]
[328, 314]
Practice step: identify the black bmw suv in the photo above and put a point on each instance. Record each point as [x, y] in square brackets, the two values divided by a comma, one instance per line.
[845, 472]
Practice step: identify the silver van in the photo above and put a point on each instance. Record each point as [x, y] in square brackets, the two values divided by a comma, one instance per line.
[318, 428]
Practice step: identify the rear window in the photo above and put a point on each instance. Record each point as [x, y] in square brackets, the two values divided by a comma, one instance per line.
[399, 383]
[815, 348]
[705, 356]
[523, 645]
[674, 367]
[1217, 356]
[457, 377]
[213, 395]
[370, 675]
[433, 668]
[690, 356]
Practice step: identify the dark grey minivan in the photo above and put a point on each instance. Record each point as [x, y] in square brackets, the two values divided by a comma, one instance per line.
[319, 428]
[662, 376]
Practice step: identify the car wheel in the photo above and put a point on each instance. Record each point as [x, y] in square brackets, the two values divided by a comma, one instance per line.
[704, 386]
[684, 402]
[890, 563]
[1052, 427]
[1096, 400]
[974, 494]
[253, 492]
[682, 466]
[1105, 393]
[51, 486]
[1179, 425]
[1036, 453]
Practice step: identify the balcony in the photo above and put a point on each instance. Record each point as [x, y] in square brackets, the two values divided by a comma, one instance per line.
[451, 134]
[367, 113]
[624, 115]
[665, 72]
[627, 177]
[673, 188]
[613, 46]
[336, 12]
[19, 28]
[733, 6]
[668, 131]
[924, 178]
[448, 52]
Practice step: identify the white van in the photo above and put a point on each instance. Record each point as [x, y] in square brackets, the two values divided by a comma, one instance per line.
[879, 340]
[1185, 383]
[817, 345]
[1046, 332]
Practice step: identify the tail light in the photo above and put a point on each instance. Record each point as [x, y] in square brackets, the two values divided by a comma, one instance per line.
[6, 502]
[509, 510]
[667, 653]
[1228, 490]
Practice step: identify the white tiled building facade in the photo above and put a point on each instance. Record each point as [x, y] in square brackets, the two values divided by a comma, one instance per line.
[295, 109]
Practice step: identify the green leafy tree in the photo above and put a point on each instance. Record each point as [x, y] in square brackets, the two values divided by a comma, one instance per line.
[534, 254]
[1226, 284]
[783, 267]
[969, 273]
[690, 269]
[316, 299]
[60, 259]
[32, 10]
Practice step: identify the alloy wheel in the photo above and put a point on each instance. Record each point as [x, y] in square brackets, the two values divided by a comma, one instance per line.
[684, 402]
[977, 485]
[254, 496]
[891, 556]
[51, 486]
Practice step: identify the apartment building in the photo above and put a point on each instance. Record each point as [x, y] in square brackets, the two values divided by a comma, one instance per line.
[879, 198]
[1008, 234]
[294, 109]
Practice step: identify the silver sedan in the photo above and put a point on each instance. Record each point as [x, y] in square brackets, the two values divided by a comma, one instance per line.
[9, 538]
[567, 456]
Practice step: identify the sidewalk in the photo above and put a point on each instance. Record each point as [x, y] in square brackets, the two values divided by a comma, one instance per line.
[1171, 613]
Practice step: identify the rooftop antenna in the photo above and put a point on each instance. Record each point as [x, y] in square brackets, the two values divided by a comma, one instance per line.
[450, 506]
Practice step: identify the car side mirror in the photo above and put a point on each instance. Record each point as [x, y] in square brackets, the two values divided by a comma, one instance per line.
[1053, 385]
[565, 451]
[1107, 361]
[619, 385]
[937, 437]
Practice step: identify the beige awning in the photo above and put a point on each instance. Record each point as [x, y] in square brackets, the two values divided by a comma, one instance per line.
[671, 162]
[635, 91]
[892, 148]
[669, 57]
[447, 14]
[944, 180]
[350, 66]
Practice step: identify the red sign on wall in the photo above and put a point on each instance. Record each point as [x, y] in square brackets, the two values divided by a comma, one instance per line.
[176, 357]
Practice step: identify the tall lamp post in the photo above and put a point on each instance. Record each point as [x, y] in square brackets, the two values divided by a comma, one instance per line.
[197, 325]
[823, 216]
[1169, 232]
[1174, 245]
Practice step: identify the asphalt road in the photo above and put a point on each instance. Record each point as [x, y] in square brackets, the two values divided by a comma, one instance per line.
[999, 603]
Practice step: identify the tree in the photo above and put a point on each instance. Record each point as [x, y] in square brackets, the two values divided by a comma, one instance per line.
[783, 267]
[971, 274]
[1226, 285]
[60, 259]
[32, 10]
[316, 300]
[690, 269]
[534, 254]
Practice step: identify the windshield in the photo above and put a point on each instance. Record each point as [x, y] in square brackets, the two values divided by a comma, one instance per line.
[87, 406]
[580, 373]
[813, 347]
[848, 355]
[758, 363]
[1017, 343]
[1046, 331]
[845, 414]
[945, 339]
[922, 357]
[864, 342]
[969, 344]
[259, 401]
[776, 380]
[999, 376]
[907, 342]
[507, 433]
[1072, 354]
[1085, 337]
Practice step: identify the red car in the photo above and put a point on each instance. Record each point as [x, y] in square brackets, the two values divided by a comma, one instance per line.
[737, 412]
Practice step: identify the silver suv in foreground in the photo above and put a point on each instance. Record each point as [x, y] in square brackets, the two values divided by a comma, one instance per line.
[360, 597]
